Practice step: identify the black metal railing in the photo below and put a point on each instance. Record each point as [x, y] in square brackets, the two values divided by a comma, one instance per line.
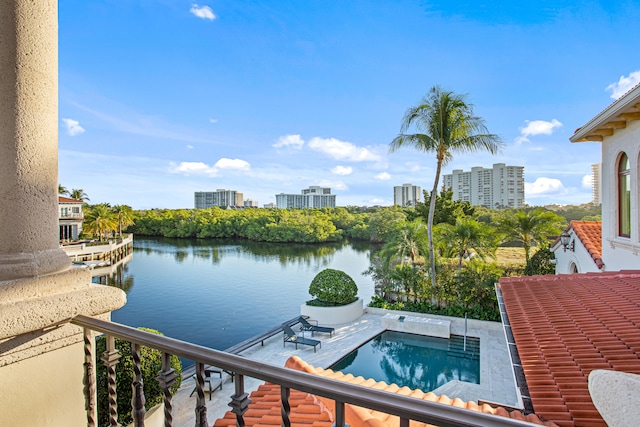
[406, 408]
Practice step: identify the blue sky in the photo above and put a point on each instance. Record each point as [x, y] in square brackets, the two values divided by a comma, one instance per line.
[162, 98]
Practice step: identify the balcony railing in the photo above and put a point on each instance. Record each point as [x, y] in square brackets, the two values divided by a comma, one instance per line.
[406, 408]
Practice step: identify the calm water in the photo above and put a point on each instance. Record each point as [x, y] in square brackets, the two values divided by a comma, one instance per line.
[218, 294]
[415, 361]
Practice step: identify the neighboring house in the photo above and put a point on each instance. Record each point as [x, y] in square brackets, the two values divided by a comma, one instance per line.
[70, 219]
[617, 128]
[580, 248]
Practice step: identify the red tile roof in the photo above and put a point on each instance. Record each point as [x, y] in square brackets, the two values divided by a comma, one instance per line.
[564, 327]
[590, 234]
[314, 411]
[62, 199]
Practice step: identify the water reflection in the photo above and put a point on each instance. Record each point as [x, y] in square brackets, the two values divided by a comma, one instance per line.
[118, 276]
[423, 363]
[218, 293]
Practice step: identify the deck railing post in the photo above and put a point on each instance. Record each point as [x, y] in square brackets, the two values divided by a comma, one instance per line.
[90, 392]
[285, 392]
[201, 403]
[166, 378]
[110, 359]
[239, 401]
[137, 392]
[339, 421]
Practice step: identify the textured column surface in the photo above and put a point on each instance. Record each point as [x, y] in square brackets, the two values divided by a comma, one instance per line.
[29, 140]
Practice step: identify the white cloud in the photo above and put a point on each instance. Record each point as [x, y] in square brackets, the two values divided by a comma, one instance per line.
[544, 187]
[587, 181]
[189, 147]
[200, 168]
[341, 150]
[342, 170]
[537, 127]
[203, 12]
[73, 127]
[213, 120]
[293, 141]
[236, 164]
[193, 168]
[413, 166]
[623, 85]
[383, 176]
[334, 185]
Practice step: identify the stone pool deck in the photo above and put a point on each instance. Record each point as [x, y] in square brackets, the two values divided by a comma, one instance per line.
[497, 383]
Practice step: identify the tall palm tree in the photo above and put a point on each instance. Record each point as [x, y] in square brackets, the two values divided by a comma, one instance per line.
[62, 190]
[125, 216]
[100, 219]
[79, 194]
[530, 228]
[446, 124]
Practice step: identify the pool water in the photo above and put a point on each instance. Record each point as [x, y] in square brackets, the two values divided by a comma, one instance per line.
[416, 361]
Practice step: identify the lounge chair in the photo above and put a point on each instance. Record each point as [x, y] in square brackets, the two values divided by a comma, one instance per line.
[290, 336]
[306, 326]
[213, 383]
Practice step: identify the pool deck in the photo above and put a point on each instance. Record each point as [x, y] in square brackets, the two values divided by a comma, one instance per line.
[497, 382]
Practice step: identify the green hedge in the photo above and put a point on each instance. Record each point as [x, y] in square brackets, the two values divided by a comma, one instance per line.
[332, 287]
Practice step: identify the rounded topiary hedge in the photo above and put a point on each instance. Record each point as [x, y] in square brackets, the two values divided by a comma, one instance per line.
[332, 287]
[151, 365]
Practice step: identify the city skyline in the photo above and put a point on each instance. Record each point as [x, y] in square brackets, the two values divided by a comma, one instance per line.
[159, 100]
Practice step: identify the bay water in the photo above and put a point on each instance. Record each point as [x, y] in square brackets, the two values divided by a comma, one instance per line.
[218, 293]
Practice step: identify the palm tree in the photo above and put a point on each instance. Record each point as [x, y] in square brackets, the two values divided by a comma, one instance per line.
[62, 190]
[408, 242]
[446, 124]
[100, 219]
[125, 216]
[530, 228]
[79, 194]
[465, 236]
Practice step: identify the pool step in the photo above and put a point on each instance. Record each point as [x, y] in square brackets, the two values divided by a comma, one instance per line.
[456, 347]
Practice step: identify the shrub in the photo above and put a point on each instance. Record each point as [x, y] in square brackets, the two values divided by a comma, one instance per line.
[151, 365]
[332, 287]
[541, 263]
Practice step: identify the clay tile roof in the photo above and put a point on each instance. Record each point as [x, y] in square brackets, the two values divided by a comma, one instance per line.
[564, 327]
[314, 411]
[590, 234]
[62, 199]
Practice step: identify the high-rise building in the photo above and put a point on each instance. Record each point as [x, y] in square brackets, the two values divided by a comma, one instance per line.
[499, 187]
[312, 197]
[406, 195]
[596, 183]
[220, 197]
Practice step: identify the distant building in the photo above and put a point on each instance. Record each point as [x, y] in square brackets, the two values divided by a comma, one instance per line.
[222, 198]
[596, 182]
[406, 195]
[499, 187]
[269, 206]
[250, 203]
[70, 218]
[312, 197]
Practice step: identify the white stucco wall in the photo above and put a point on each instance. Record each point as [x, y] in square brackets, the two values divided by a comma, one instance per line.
[620, 253]
[579, 257]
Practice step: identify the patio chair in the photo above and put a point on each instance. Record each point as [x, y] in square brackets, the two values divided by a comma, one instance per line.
[290, 336]
[213, 383]
[306, 326]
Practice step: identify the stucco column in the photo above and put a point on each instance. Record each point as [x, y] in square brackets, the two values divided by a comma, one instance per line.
[29, 140]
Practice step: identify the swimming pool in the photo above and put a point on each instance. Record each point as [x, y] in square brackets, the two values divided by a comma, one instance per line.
[416, 361]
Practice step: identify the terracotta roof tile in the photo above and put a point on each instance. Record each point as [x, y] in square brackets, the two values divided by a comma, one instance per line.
[590, 234]
[315, 411]
[62, 199]
[565, 326]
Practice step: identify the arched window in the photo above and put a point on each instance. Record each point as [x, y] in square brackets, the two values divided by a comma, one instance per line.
[624, 197]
